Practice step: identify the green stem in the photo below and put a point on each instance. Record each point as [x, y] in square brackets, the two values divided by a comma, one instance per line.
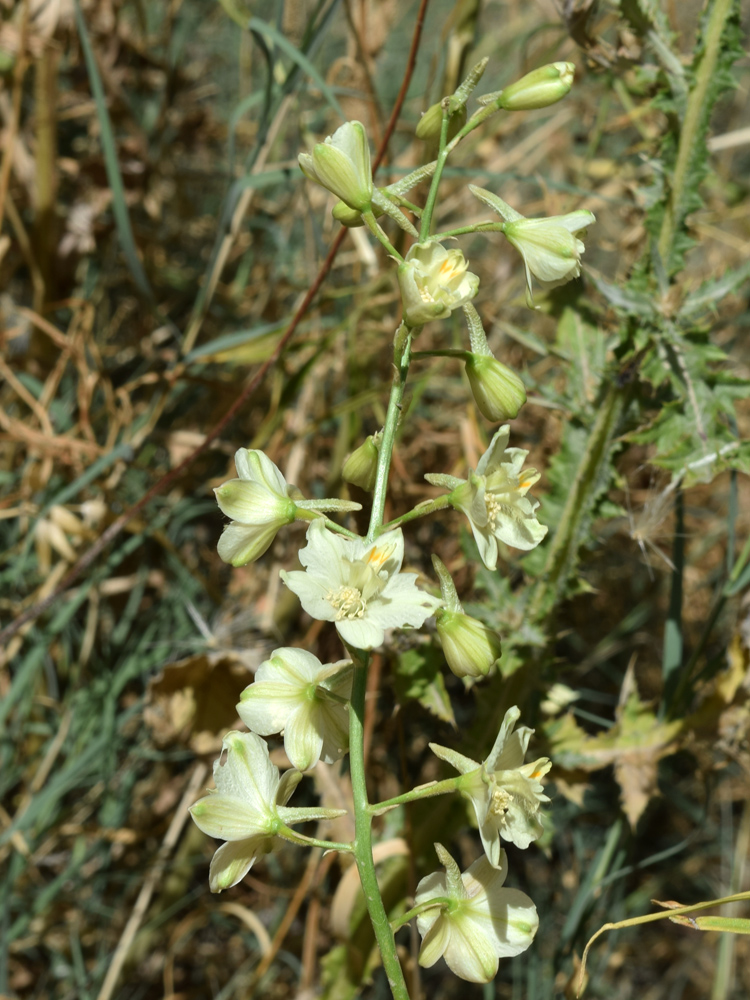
[480, 227]
[563, 552]
[299, 838]
[691, 133]
[401, 359]
[421, 510]
[422, 792]
[363, 831]
[429, 904]
[447, 352]
[312, 515]
[426, 222]
[372, 224]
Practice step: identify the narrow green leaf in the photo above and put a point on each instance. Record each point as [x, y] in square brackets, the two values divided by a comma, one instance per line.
[111, 163]
[255, 24]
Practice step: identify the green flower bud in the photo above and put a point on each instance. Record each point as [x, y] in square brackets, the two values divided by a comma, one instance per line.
[342, 164]
[348, 217]
[431, 122]
[538, 89]
[361, 466]
[470, 646]
[498, 391]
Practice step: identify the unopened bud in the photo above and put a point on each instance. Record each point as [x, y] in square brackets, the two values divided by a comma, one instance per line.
[348, 217]
[538, 89]
[470, 646]
[431, 122]
[498, 391]
[361, 467]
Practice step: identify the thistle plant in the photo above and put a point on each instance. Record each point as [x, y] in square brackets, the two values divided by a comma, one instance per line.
[357, 583]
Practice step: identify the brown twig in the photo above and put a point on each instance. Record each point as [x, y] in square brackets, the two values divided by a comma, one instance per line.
[119, 523]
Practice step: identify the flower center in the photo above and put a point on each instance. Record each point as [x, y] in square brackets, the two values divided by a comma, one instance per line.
[348, 602]
[500, 801]
[494, 508]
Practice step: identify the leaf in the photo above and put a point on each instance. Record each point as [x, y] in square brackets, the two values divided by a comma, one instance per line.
[634, 745]
[625, 299]
[418, 677]
[707, 295]
[692, 432]
[685, 152]
[581, 342]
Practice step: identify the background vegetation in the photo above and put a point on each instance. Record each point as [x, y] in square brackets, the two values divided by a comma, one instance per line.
[157, 239]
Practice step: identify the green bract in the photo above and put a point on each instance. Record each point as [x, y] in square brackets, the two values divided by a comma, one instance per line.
[248, 809]
[297, 695]
[505, 792]
[475, 921]
[342, 164]
[433, 282]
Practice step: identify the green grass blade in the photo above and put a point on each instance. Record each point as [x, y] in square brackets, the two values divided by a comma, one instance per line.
[109, 148]
[255, 24]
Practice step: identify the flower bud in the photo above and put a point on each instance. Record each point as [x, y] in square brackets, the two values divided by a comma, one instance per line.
[348, 217]
[498, 391]
[433, 282]
[361, 466]
[431, 123]
[538, 89]
[470, 646]
[342, 164]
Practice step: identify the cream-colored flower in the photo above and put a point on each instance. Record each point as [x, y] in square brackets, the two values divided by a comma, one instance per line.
[506, 793]
[495, 500]
[260, 502]
[249, 808]
[433, 282]
[342, 165]
[475, 921]
[358, 585]
[295, 694]
[549, 247]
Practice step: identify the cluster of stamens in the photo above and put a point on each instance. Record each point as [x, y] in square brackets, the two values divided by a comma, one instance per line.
[348, 603]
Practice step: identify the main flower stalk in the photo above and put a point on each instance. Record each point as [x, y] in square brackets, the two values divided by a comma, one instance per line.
[363, 831]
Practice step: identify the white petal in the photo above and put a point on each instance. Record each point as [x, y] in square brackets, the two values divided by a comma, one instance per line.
[495, 454]
[486, 544]
[335, 728]
[362, 633]
[514, 921]
[240, 544]
[265, 706]
[253, 503]
[303, 739]
[311, 593]
[228, 818]
[436, 937]
[510, 718]
[231, 863]
[471, 952]
[248, 772]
